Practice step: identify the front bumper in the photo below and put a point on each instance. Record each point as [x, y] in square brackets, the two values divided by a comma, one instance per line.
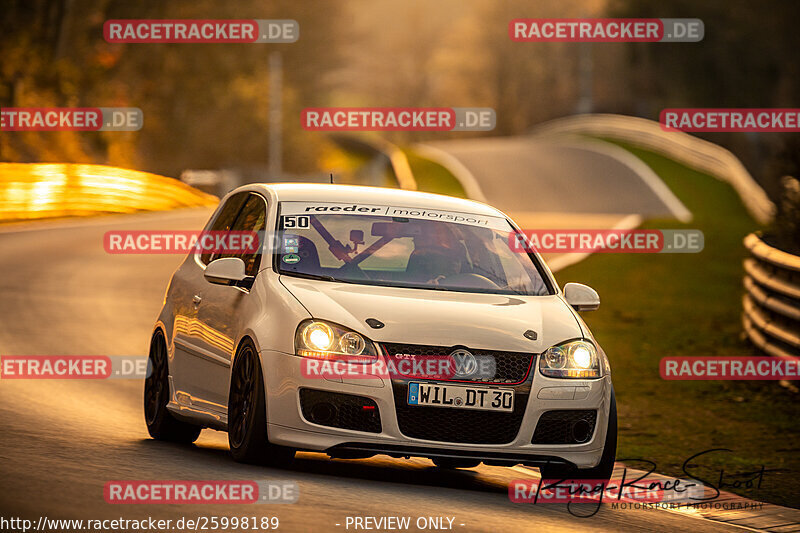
[288, 427]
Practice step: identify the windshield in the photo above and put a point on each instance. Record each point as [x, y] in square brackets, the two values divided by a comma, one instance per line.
[403, 247]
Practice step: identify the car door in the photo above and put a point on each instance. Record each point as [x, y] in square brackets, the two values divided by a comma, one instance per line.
[224, 308]
[188, 288]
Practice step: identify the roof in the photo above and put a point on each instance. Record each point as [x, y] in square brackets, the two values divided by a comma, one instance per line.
[321, 192]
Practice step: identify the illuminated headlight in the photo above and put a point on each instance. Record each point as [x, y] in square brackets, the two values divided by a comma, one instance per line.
[324, 340]
[574, 359]
[318, 336]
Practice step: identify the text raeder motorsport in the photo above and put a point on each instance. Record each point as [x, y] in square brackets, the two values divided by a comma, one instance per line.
[404, 212]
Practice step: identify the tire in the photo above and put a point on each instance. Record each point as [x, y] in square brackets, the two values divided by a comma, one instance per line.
[451, 463]
[160, 423]
[247, 414]
[605, 468]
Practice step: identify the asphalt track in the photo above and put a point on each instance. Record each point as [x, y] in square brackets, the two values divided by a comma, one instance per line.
[62, 440]
[566, 176]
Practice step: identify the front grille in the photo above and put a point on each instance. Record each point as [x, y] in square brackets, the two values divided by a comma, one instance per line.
[565, 427]
[510, 367]
[457, 425]
[345, 411]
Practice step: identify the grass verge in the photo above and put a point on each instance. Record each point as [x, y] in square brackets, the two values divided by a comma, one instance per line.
[658, 305]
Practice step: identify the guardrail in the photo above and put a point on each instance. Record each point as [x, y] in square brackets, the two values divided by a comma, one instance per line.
[682, 147]
[771, 303]
[48, 190]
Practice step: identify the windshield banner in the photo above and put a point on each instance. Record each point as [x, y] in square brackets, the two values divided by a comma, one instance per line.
[456, 217]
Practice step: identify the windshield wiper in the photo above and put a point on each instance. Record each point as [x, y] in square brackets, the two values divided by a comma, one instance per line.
[322, 277]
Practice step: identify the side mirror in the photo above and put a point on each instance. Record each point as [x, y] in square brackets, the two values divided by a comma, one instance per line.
[225, 271]
[581, 297]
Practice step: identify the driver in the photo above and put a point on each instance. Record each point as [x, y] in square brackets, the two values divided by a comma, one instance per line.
[437, 254]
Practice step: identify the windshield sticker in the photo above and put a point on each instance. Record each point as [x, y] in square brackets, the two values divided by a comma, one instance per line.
[295, 215]
[291, 245]
[291, 259]
[296, 221]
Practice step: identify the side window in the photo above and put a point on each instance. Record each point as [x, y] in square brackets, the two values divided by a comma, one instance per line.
[252, 217]
[225, 219]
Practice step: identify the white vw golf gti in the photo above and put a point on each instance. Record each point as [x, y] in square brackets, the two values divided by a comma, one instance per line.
[321, 338]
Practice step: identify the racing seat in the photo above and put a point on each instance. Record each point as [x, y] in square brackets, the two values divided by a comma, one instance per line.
[428, 263]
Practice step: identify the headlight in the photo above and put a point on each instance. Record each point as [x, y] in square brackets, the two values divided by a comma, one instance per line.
[324, 340]
[574, 359]
[318, 336]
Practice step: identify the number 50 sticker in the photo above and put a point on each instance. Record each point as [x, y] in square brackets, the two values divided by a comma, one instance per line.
[296, 221]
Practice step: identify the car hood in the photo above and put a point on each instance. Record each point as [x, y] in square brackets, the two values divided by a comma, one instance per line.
[440, 318]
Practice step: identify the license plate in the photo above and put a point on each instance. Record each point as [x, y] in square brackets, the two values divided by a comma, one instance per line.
[460, 397]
